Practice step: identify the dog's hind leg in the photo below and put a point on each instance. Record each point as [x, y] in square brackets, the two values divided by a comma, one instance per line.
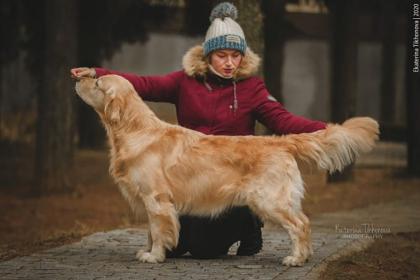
[297, 226]
[163, 227]
[307, 229]
[281, 205]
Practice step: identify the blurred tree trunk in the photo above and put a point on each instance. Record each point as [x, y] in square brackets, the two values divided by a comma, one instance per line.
[1, 90]
[196, 20]
[343, 15]
[413, 101]
[91, 48]
[274, 36]
[10, 24]
[388, 62]
[251, 20]
[91, 132]
[3, 32]
[54, 149]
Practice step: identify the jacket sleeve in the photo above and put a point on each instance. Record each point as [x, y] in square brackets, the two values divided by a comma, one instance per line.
[151, 88]
[272, 114]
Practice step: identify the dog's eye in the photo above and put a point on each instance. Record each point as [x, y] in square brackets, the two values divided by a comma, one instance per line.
[96, 83]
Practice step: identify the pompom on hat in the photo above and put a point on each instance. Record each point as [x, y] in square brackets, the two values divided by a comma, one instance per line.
[224, 32]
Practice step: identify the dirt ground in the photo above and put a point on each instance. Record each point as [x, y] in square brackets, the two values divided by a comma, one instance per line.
[29, 224]
[396, 256]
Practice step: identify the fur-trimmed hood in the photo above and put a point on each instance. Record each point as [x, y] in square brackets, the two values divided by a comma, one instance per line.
[195, 64]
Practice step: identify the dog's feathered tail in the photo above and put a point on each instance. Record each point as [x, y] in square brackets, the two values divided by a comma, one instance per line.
[336, 146]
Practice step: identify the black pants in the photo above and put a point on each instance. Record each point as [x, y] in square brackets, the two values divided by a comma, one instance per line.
[210, 238]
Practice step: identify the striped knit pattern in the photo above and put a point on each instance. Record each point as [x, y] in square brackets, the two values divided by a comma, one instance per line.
[224, 42]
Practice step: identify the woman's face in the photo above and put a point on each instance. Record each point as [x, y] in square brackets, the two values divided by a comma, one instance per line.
[226, 61]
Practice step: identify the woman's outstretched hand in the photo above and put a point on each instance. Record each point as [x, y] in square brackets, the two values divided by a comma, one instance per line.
[82, 72]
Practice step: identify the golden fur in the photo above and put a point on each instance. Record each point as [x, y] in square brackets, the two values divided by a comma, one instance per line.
[172, 170]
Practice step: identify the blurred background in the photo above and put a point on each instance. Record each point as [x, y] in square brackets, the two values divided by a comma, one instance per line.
[327, 60]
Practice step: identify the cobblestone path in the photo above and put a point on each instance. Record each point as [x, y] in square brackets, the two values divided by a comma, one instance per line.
[111, 255]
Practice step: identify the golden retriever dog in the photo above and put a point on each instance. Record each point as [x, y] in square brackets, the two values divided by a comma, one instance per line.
[171, 170]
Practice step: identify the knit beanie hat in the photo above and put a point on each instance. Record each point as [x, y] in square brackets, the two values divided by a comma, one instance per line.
[224, 32]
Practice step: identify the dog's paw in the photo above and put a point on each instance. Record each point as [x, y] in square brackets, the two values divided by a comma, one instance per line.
[293, 261]
[147, 257]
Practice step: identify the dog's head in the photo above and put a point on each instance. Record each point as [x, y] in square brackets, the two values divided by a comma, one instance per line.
[106, 95]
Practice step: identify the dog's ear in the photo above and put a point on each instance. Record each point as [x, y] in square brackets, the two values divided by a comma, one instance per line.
[114, 110]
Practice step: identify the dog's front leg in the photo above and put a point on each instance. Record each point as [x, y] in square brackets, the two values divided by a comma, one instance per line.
[163, 229]
[149, 242]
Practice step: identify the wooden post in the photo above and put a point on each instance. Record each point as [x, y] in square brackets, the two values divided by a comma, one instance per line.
[344, 68]
[388, 86]
[274, 36]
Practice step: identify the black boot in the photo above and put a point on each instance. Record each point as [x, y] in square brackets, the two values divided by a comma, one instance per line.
[183, 240]
[251, 241]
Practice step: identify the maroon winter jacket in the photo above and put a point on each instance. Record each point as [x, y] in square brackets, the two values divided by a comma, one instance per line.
[205, 102]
